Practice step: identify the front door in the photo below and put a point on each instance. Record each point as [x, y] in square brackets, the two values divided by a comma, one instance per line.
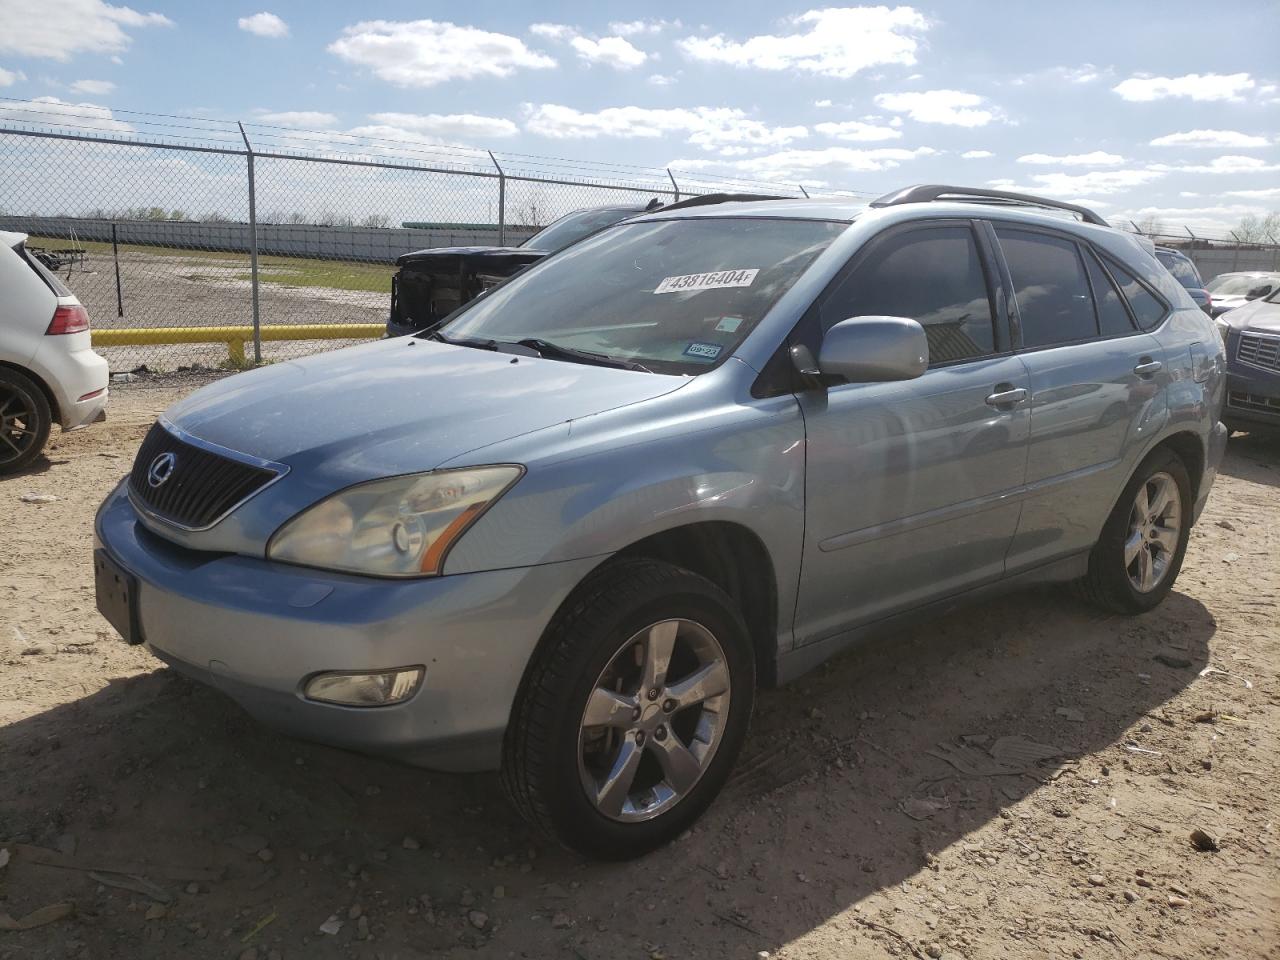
[908, 485]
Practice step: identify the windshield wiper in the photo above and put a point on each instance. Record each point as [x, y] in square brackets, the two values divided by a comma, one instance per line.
[553, 351]
[476, 342]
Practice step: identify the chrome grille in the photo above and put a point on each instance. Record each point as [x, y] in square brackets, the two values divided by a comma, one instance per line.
[201, 487]
[1259, 351]
[1253, 401]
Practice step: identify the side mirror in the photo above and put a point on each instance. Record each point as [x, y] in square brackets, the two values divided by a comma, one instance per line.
[874, 350]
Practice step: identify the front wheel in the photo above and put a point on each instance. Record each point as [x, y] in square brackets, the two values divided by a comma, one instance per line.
[633, 711]
[1136, 560]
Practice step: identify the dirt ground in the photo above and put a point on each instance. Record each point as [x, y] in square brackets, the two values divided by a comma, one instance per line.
[864, 820]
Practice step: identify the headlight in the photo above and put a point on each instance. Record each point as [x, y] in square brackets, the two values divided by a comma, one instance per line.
[397, 527]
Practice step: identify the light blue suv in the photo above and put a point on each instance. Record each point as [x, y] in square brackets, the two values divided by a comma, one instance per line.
[568, 532]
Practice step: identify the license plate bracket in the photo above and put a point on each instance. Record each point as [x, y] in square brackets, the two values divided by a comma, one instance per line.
[117, 595]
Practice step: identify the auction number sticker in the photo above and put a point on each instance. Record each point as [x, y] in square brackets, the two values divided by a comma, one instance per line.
[716, 279]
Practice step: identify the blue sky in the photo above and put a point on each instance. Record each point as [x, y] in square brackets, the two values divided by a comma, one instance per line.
[1167, 110]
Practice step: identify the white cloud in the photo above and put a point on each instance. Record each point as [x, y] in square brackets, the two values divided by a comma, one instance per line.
[1196, 86]
[1085, 73]
[1266, 193]
[856, 130]
[9, 77]
[553, 31]
[1100, 182]
[822, 103]
[94, 88]
[52, 112]
[423, 53]
[612, 51]
[976, 155]
[1224, 164]
[832, 42]
[297, 119]
[57, 30]
[1217, 139]
[1095, 159]
[661, 80]
[631, 28]
[802, 164]
[708, 127]
[953, 107]
[451, 125]
[264, 25]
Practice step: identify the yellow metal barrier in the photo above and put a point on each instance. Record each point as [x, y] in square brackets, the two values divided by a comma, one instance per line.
[234, 337]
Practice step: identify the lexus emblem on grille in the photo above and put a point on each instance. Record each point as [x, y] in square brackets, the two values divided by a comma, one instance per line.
[161, 469]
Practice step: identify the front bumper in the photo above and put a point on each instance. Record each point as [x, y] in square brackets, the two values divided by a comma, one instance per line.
[1253, 398]
[256, 630]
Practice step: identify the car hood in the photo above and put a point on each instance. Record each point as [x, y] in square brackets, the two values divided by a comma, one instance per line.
[1256, 315]
[476, 259]
[400, 406]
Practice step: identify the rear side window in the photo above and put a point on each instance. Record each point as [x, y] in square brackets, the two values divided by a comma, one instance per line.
[1183, 270]
[932, 275]
[1050, 286]
[1113, 316]
[48, 276]
[1149, 309]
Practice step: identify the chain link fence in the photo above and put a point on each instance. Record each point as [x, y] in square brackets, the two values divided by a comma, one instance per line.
[238, 244]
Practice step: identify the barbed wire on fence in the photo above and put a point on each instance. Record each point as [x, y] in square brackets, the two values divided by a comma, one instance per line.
[203, 242]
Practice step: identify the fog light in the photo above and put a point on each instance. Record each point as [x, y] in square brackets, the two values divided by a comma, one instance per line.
[365, 689]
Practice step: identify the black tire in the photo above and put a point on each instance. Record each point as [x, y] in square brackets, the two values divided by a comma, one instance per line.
[25, 420]
[540, 771]
[1107, 584]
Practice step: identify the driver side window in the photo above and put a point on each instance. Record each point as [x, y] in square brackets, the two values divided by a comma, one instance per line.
[932, 275]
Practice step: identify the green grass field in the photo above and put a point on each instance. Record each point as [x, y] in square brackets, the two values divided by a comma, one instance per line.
[282, 271]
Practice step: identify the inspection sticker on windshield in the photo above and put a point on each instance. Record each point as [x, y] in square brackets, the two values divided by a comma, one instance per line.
[692, 282]
[703, 351]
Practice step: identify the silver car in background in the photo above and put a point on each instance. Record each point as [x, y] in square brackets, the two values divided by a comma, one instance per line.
[568, 533]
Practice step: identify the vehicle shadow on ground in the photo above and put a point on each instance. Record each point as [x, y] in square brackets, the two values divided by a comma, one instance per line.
[820, 815]
[1254, 457]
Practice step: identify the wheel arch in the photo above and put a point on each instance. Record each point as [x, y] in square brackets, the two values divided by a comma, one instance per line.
[1190, 449]
[38, 380]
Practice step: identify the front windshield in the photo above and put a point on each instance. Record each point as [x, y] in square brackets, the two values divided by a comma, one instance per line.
[572, 228]
[1239, 286]
[677, 296]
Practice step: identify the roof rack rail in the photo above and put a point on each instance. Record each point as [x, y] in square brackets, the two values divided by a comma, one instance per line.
[709, 198]
[928, 192]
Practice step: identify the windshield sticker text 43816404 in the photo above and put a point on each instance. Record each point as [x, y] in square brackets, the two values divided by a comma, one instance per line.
[692, 282]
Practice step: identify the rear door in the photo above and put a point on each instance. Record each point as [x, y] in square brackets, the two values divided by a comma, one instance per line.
[907, 485]
[1096, 380]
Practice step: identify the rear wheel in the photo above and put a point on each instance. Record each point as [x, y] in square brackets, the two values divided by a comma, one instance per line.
[633, 711]
[1136, 560]
[25, 420]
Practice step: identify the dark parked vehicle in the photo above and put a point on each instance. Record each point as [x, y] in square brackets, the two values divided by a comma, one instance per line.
[1185, 272]
[1252, 337]
[431, 284]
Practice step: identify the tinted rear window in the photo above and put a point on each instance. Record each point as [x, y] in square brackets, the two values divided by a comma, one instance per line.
[1049, 283]
[1113, 318]
[1146, 306]
[48, 276]
[1183, 270]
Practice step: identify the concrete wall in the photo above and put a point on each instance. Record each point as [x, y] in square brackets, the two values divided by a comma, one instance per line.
[290, 240]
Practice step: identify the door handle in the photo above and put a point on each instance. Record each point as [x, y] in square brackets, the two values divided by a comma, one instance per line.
[1148, 368]
[1007, 396]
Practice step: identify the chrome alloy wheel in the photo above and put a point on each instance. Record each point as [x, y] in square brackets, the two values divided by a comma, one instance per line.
[1155, 525]
[653, 721]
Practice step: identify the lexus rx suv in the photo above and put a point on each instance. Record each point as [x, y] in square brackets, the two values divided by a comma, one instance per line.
[569, 533]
